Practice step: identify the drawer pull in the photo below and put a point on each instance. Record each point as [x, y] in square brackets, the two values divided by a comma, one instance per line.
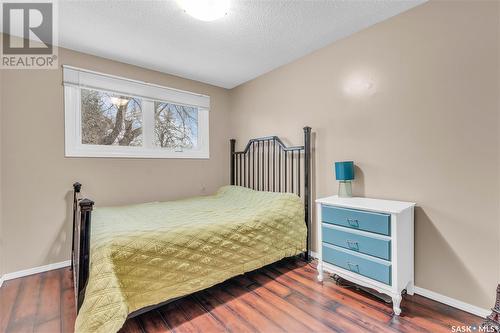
[352, 245]
[353, 267]
[353, 222]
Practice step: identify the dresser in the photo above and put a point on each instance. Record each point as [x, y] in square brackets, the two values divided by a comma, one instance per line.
[368, 242]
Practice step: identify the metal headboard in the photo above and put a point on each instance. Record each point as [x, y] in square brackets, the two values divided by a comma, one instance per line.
[267, 164]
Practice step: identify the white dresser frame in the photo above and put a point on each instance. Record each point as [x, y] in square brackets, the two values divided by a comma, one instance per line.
[402, 245]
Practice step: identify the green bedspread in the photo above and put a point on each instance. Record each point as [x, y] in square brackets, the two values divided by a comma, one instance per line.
[145, 254]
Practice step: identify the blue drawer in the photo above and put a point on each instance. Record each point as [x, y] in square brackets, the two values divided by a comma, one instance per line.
[375, 269]
[357, 219]
[372, 246]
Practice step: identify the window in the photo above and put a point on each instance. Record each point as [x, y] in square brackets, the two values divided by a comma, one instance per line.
[176, 126]
[108, 116]
[110, 119]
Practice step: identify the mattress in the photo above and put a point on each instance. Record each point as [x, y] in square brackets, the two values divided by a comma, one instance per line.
[145, 254]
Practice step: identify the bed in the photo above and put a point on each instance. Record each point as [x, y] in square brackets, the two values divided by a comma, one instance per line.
[128, 260]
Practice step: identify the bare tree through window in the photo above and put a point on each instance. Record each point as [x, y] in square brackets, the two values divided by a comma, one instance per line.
[176, 126]
[110, 119]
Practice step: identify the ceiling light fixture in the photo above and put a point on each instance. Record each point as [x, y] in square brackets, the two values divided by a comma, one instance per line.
[205, 10]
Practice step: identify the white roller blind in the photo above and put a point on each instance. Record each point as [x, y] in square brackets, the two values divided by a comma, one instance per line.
[88, 79]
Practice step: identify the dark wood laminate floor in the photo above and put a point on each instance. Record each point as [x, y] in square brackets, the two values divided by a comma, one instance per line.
[281, 297]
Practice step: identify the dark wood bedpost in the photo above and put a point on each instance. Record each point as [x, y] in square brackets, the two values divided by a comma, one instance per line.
[76, 190]
[307, 187]
[86, 207]
[80, 248]
[232, 149]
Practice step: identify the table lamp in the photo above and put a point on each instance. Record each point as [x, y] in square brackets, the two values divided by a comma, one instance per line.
[344, 173]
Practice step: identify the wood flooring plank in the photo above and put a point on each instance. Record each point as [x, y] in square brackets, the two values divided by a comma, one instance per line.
[49, 306]
[67, 278]
[276, 315]
[302, 317]
[404, 326]
[232, 321]
[177, 319]
[322, 312]
[204, 321]
[262, 279]
[443, 309]
[356, 304]
[368, 322]
[434, 320]
[130, 326]
[50, 326]
[8, 295]
[347, 297]
[429, 319]
[26, 304]
[152, 322]
[310, 274]
[244, 310]
[311, 293]
[328, 316]
[68, 311]
[325, 308]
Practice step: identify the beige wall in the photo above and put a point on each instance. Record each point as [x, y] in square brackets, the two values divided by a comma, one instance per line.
[37, 177]
[425, 129]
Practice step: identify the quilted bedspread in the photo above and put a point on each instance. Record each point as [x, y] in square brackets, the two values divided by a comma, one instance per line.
[145, 254]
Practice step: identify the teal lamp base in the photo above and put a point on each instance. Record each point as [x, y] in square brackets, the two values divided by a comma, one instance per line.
[345, 189]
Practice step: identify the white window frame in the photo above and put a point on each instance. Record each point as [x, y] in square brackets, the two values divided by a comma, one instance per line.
[76, 78]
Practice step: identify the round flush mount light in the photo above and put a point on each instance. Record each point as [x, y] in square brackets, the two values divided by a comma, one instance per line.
[205, 10]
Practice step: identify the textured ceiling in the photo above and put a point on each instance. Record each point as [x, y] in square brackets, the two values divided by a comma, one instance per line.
[253, 38]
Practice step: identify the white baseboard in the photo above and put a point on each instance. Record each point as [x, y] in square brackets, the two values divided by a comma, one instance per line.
[453, 302]
[35, 270]
[444, 299]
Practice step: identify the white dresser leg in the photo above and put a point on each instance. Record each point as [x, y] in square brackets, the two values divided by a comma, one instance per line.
[396, 302]
[320, 272]
[410, 289]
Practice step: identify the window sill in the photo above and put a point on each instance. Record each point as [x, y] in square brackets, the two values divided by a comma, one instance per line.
[135, 152]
